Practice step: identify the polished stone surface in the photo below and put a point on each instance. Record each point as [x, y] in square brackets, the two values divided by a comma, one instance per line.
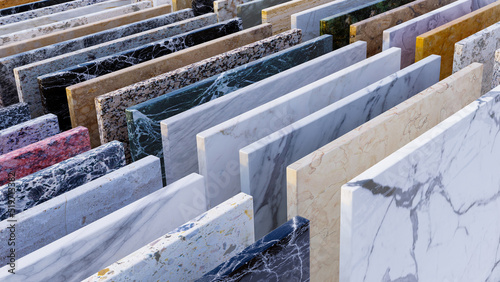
[314, 181]
[74, 209]
[198, 245]
[201, 7]
[226, 9]
[14, 114]
[283, 253]
[495, 81]
[28, 132]
[20, 8]
[14, 4]
[251, 12]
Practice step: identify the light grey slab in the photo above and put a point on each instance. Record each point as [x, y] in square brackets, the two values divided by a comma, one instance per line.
[219, 145]
[251, 13]
[103, 242]
[263, 163]
[181, 139]
[58, 217]
[495, 81]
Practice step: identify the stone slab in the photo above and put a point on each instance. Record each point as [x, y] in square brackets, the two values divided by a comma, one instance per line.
[32, 158]
[29, 6]
[371, 30]
[62, 177]
[349, 155]
[8, 92]
[96, 46]
[198, 245]
[113, 237]
[283, 253]
[226, 9]
[72, 210]
[338, 25]
[53, 85]
[112, 123]
[182, 4]
[13, 3]
[479, 47]
[306, 65]
[495, 81]
[27, 133]
[222, 169]
[201, 7]
[251, 12]
[14, 114]
[420, 200]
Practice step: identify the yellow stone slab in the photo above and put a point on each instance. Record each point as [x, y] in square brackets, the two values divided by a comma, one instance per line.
[12, 3]
[52, 38]
[441, 41]
[181, 4]
[371, 30]
[314, 182]
[280, 15]
[81, 96]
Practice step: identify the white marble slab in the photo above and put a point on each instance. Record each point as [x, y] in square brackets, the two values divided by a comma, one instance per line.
[58, 217]
[429, 211]
[179, 140]
[495, 81]
[89, 249]
[218, 146]
[191, 250]
[226, 9]
[405, 35]
[80, 18]
[263, 163]
[479, 48]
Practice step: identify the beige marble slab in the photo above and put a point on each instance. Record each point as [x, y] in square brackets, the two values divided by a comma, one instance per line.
[181, 4]
[81, 96]
[280, 15]
[227, 9]
[314, 182]
[52, 38]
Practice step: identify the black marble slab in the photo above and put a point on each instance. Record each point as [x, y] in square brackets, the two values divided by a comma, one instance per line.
[30, 6]
[201, 7]
[14, 114]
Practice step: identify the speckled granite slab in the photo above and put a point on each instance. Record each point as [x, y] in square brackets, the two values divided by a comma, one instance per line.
[32, 158]
[251, 12]
[495, 80]
[115, 236]
[32, 32]
[479, 47]
[28, 132]
[62, 177]
[283, 253]
[74, 209]
[53, 85]
[29, 6]
[198, 245]
[112, 123]
[14, 114]
[88, 48]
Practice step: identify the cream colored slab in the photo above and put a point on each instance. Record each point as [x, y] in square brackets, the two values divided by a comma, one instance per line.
[314, 182]
[181, 4]
[226, 9]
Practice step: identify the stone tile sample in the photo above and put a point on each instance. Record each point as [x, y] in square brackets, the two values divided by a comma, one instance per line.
[97, 46]
[198, 245]
[371, 30]
[420, 199]
[65, 6]
[7, 4]
[34, 157]
[72, 210]
[28, 132]
[111, 107]
[81, 96]
[441, 41]
[53, 85]
[226, 9]
[62, 177]
[222, 171]
[495, 81]
[29, 7]
[342, 159]
[282, 253]
[479, 47]
[14, 114]
[122, 232]
[179, 142]
[201, 7]
[251, 12]
[29, 33]
[338, 25]
[181, 4]
[404, 35]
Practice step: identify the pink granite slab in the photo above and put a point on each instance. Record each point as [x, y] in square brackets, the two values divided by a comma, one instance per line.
[42, 154]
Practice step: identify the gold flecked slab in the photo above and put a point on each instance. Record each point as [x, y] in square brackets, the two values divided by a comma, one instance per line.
[314, 182]
[371, 30]
[441, 41]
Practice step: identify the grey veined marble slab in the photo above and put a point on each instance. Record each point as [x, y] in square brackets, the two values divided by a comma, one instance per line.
[105, 241]
[70, 211]
[179, 142]
[263, 163]
[435, 200]
[480, 48]
[222, 170]
[146, 32]
[495, 81]
[14, 114]
[28, 132]
[251, 12]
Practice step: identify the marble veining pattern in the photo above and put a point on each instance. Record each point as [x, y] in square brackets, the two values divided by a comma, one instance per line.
[226, 9]
[29, 7]
[201, 7]
[251, 12]
[495, 80]
[14, 114]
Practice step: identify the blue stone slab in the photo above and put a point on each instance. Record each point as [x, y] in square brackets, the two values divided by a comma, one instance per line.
[30, 6]
[14, 114]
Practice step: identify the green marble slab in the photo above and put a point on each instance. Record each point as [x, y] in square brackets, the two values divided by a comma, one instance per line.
[251, 13]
